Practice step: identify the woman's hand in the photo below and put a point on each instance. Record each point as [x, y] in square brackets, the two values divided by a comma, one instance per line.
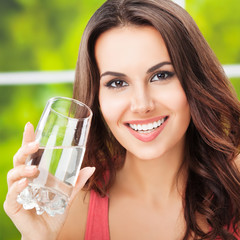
[31, 225]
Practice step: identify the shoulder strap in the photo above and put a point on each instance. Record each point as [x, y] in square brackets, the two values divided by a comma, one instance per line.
[97, 227]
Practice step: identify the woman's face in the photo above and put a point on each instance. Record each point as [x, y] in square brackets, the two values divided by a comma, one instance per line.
[140, 96]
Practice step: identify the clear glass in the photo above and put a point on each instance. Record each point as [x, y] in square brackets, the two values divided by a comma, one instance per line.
[62, 134]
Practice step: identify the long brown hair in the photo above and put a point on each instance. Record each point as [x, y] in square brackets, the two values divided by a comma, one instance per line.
[213, 185]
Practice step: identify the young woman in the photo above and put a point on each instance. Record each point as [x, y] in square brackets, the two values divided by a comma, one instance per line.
[164, 139]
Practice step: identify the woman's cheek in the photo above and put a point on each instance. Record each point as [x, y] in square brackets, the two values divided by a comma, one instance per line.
[112, 107]
[174, 97]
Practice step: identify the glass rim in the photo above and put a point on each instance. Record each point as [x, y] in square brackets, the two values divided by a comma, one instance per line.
[53, 99]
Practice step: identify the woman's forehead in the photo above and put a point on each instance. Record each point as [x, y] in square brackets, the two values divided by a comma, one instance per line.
[130, 45]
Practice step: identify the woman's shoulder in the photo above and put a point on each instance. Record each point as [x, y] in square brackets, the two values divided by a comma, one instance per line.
[75, 225]
[237, 162]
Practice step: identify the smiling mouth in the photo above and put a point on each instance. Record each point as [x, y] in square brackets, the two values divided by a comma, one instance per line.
[147, 128]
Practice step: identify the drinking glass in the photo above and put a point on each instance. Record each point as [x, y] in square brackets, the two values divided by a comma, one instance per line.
[62, 134]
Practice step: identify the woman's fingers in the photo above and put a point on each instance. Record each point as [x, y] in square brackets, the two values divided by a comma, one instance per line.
[11, 206]
[17, 177]
[28, 145]
[83, 176]
[20, 172]
[28, 135]
[21, 155]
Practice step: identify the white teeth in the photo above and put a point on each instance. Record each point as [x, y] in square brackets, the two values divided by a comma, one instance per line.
[149, 126]
[144, 127]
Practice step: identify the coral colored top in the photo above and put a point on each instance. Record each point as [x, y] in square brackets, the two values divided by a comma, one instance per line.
[97, 219]
[97, 227]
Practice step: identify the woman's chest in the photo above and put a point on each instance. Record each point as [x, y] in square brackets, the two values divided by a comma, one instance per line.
[143, 221]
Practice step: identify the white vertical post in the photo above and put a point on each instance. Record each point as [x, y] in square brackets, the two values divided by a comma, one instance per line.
[180, 2]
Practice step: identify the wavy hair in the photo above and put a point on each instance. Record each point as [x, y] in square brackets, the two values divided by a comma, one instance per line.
[213, 184]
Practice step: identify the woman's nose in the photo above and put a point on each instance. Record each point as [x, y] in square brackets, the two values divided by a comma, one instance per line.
[142, 101]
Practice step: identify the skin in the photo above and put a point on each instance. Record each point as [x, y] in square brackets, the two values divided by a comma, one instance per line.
[146, 188]
[145, 201]
[27, 222]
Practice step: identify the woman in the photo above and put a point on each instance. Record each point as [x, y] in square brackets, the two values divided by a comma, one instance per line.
[164, 137]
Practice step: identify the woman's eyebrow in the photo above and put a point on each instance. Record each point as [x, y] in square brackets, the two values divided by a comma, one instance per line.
[115, 74]
[157, 66]
[150, 70]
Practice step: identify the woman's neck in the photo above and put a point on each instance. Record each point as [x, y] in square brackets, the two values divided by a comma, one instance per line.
[161, 179]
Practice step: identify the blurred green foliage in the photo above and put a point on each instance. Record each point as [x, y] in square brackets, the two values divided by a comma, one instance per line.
[219, 21]
[45, 35]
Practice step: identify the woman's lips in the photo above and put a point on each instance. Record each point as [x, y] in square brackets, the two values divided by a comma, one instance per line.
[147, 130]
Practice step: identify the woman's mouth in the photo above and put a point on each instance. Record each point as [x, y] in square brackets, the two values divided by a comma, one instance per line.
[146, 128]
[147, 131]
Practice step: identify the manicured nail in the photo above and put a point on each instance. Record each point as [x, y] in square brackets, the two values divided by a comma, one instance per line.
[26, 126]
[32, 144]
[22, 181]
[31, 168]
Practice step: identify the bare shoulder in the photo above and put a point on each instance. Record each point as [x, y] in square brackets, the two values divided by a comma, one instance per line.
[74, 227]
[237, 162]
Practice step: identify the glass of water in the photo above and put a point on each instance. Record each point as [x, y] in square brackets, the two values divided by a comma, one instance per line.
[62, 135]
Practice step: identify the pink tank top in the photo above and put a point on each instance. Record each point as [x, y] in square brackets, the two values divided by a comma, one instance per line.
[97, 221]
[97, 227]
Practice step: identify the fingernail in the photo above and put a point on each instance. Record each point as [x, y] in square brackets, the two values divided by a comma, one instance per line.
[26, 126]
[32, 144]
[31, 168]
[22, 181]
[93, 169]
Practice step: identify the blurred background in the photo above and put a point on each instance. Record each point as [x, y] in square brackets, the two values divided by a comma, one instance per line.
[45, 35]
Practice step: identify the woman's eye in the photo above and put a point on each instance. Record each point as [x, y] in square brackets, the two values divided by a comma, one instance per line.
[162, 76]
[116, 84]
